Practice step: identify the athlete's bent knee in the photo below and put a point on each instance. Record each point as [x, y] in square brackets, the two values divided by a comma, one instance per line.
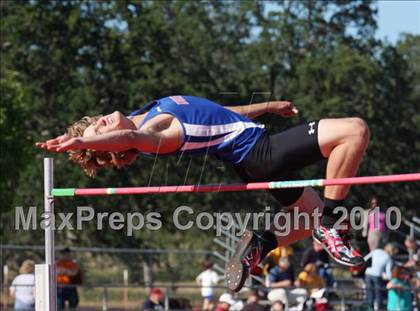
[360, 131]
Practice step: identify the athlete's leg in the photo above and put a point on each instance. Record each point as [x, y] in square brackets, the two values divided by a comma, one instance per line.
[309, 205]
[276, 157]
[286, 229]
[343, 142]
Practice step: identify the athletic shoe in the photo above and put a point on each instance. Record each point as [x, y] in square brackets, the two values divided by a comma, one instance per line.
[250, 250]
[347, 237]
[338, 246]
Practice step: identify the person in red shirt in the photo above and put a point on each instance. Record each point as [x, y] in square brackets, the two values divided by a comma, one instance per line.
[67, 272]
[225, 302]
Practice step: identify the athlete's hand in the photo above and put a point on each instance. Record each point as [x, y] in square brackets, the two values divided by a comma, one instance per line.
[58, 140]
[60, 143]
[283, 108]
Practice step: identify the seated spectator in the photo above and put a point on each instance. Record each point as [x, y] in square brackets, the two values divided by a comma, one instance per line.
[253, 303]
[319, 256]
[23, 287]
[413, 265]
[282, 275]
[179, 304]
[280, 280]
[277, 306]
[225, 302]
[310, 279]
[274, 256]
[400, 296]
[154, 302]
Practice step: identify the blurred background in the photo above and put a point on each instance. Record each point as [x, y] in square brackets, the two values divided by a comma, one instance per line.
[61, 60]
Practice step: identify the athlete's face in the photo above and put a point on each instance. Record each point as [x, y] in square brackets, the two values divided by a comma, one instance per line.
[109, 123]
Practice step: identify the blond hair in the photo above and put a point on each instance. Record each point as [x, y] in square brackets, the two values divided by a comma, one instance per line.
[27, 267]
[92, 160]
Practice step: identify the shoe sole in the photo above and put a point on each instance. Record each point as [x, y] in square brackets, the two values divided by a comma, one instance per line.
[236, 273]
[333, 257]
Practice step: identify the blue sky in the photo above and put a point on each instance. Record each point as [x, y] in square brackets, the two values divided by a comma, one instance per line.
[394, 17]
[397, 16]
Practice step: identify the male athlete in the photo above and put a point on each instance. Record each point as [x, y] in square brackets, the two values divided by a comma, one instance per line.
[197, 126]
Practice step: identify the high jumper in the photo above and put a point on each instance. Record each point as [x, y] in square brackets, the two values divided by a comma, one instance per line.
[196, 126]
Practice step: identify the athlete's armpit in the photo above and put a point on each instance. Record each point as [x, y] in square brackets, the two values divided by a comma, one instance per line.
[160, 142]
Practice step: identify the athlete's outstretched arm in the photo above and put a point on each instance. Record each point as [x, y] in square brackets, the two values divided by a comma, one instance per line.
[283, 108]
[251, 111]
[150, 141]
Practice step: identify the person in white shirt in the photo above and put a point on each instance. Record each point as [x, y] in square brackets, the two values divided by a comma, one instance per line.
[23, 287]
[207, 279]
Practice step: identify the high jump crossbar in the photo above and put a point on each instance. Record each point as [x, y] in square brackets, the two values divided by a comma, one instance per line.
[62, 192]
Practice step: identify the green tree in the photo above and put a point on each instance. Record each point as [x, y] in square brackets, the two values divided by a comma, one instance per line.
[62, 60]
[14, 138]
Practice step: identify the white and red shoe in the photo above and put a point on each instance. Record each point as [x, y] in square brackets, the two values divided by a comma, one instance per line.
[337, 244]
[347, 236]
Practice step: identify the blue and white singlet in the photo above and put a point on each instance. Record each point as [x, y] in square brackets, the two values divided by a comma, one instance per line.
[209, 128]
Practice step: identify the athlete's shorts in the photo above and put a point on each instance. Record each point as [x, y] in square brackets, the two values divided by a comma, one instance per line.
[280, 157]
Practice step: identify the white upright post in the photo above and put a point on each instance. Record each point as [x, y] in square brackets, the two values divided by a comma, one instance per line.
[49, 290]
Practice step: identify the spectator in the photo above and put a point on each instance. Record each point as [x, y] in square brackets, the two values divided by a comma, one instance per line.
[413, 265]
[280, 280]
[23, 287]
[413, 251]
[400, 296]
[225, 302]
[253, 303]
[281, 276]
[180, 304]
[154, 302]
[68, 276]
[207, 279]
[375, 225]
[379, 270]
[310, 279]
[277, 306]
[274, 256]
[317, 255]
